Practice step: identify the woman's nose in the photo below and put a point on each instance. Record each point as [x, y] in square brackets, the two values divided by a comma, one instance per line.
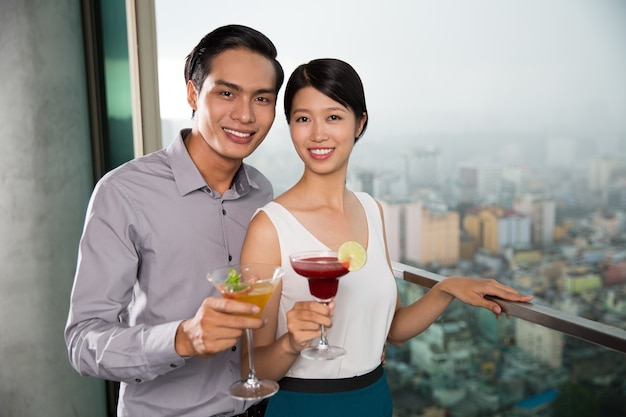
[319, 132]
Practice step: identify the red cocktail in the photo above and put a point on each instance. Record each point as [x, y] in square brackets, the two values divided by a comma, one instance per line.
[323, 273]
[323, 270]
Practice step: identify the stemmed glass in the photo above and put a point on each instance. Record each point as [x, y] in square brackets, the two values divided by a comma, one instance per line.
[322, 269]
[249, 283]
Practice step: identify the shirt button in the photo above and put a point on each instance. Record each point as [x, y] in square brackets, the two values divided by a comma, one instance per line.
[137, 380]
[173, 365]
[224, 212]
[230, 258]
[234, 348]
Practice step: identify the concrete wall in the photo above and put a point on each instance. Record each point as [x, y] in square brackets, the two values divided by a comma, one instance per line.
[45, 182]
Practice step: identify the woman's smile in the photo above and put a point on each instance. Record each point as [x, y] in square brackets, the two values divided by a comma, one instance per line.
[321, 153]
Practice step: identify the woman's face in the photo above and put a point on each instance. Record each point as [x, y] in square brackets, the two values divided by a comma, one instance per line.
[322, 130]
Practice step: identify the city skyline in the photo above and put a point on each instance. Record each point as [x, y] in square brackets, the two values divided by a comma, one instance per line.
[532, 154]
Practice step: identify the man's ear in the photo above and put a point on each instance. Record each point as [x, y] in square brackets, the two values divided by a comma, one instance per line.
[192, 95]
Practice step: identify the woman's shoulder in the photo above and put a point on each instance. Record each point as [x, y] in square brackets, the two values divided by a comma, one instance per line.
[290, 199]
[366, 199]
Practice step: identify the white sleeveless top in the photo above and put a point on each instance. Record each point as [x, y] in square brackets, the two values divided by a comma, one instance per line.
[366, 298]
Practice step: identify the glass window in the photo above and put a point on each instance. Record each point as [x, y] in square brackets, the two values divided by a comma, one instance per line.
[496, 143]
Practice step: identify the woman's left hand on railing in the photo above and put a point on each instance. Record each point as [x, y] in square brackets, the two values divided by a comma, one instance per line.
[473, 291]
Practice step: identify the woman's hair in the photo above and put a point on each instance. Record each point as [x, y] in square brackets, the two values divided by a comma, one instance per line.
[333, 78]
[198, 62]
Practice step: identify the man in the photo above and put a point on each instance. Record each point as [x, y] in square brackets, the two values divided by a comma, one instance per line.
[142, 311]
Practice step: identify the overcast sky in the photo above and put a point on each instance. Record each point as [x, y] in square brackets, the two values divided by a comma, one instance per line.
[438, 66]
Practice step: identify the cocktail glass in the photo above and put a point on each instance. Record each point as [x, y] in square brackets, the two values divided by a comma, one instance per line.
[322, 269]
[255, 286]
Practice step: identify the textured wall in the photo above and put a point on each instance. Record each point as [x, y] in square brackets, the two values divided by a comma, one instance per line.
[45, 182]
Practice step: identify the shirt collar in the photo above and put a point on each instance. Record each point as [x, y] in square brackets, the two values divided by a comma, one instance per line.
[188, 177]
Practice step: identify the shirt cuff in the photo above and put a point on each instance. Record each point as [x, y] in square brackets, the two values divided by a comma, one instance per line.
[160, 348]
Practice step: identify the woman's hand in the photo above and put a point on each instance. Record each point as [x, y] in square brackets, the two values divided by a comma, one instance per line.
[304, 321]
[473, 291]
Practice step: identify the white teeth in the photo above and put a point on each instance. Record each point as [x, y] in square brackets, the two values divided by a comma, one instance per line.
[240, 134]
[321, 151]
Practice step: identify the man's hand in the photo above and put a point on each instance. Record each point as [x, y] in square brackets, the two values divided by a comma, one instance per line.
[217, 325]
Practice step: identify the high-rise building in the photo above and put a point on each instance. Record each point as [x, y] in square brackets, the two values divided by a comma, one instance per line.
[496, 229]
[480, 183]
[542, 214]
[513, 230]
[419, 235]
[489, 182]
[440, 237]
[403, 225]
[468, 184]
[482, 225]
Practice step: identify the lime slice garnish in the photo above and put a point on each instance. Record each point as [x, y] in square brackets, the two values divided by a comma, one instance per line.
[352, 255]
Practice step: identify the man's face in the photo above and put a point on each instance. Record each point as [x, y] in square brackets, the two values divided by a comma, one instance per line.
[235, 108]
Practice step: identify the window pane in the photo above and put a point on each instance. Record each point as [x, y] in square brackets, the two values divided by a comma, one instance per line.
[497, 145]
[119, 129]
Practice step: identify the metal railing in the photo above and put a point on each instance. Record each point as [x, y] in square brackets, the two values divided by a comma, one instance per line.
[591, 331]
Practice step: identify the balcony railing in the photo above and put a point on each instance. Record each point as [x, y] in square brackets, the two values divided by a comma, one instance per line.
[591, 331]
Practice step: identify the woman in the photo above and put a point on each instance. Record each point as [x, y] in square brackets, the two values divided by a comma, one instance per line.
[326, 112]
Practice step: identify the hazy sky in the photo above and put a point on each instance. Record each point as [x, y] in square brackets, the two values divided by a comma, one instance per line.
[438, 66]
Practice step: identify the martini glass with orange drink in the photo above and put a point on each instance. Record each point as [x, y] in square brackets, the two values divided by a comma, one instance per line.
[322, 269]
[254, 284]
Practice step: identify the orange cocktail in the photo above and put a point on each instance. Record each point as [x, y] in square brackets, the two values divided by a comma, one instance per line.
[249, 283]
[256, 293]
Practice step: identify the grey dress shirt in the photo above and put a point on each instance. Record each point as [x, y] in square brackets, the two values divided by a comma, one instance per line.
[153, 230]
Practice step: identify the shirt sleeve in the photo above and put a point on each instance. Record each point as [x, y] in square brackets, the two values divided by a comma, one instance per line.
[99, 340]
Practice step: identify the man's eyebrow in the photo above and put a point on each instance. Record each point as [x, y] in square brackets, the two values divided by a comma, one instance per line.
[238, 88]
[228, 85]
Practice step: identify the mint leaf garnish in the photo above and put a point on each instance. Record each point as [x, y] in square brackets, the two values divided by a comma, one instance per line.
[233, 281]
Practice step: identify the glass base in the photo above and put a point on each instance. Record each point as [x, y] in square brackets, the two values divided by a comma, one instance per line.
[253, 390]
[323, 353]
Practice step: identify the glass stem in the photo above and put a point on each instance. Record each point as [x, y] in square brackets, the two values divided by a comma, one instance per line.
[323, 343]
[252, 380]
